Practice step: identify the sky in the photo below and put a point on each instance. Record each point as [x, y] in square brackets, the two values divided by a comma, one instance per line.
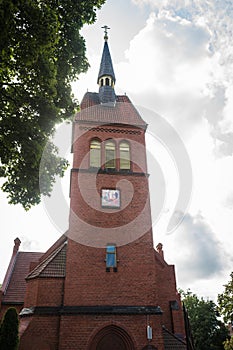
[174, 59]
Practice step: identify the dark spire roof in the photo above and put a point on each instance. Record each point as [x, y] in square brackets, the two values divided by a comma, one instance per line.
[106, 67]
[106, 77]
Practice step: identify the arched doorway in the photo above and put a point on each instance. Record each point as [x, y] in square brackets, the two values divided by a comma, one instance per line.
[112, 337]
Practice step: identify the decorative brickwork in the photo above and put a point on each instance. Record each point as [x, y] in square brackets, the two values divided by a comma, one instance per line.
[109, 130]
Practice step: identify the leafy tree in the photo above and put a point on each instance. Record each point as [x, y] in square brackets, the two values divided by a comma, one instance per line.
[207, 330]
[41, 52]
[228, 344]
[9, 338]
[225, 301]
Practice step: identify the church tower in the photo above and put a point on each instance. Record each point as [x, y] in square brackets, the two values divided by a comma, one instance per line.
[111, 289]
[110, 270]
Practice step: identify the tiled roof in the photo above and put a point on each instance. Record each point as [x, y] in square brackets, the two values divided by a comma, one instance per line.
[62, 239]
[172, 342]
[123, 112]
[52, 266]
[106, 67]
[16, 285]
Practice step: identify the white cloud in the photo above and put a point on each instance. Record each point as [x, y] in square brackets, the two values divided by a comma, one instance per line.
[229, 201]
[189, 46]
[169, 55]
[201, 255]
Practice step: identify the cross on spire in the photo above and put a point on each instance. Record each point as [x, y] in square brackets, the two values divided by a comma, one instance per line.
[105, 32]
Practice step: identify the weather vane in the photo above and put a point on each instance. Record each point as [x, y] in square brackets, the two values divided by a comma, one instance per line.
[105, 32]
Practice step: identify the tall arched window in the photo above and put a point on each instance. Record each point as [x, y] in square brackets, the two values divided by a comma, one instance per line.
[124, 156]
[110, 155]
[95, 154]
[107, 81]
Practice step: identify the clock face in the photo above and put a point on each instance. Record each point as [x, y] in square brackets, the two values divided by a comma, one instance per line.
[110, 198]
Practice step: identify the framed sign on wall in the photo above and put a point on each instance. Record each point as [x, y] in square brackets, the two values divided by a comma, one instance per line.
[110, 198]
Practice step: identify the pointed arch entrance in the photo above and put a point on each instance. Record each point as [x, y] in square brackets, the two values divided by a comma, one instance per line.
[112, 337]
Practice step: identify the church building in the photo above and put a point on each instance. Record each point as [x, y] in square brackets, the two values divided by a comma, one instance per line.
[102, 285]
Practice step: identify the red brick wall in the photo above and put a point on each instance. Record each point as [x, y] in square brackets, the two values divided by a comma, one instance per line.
[41, 334]
[31, 293]
[44, 292]
[135, 137]
[167, 292]
[78, 332]
[141, 279]
[88, 283]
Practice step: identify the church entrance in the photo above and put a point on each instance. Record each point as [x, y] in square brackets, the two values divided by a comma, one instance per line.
[112, 337]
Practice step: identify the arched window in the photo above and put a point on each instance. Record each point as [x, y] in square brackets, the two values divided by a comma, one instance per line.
[95, 154]
[124, 156]
[107, 81]
[110, 155]
[101, 82]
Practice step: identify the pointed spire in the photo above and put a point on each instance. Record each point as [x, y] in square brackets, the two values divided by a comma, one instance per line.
[106, 76]
[106, 67]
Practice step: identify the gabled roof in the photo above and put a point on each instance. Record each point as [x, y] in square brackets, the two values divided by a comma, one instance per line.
[124, 112]
[52, 266]
[14, 286]
[106, 67]
[172, 342]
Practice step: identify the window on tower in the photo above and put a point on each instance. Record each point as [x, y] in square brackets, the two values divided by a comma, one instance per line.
[95, 154]
[107, 81]
[111, 260]
[110, 155]
[124, 156]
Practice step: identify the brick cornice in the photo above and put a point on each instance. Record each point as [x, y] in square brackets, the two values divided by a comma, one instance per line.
[109, 172]
[93, 310]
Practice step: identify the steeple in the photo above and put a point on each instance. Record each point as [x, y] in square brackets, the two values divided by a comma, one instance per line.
[106, 76]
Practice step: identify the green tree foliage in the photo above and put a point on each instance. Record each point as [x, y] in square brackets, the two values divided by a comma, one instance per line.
[228, 344]
[9, 338]
[225, 301]
[41, 52]
[207, 330]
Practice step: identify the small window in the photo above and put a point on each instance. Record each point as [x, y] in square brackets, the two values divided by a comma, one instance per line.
[124, 156]
[95, 154]
[111, 256]
[107, 81]
[110, 155]
[101, 82]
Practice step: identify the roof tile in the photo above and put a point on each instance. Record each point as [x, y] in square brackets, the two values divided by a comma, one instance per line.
[52, 266]
[16, 288]
[123, 112]
[172, 342]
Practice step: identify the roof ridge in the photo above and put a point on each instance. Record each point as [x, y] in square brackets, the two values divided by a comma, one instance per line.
[44, 263]
[9, 273]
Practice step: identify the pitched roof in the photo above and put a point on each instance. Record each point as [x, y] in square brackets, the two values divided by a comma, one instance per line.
[124, 112]
[106, 67]
[172, 342]
[53, 265]
[15, 283]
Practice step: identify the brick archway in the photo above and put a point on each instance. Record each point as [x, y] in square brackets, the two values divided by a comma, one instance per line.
[112, 337]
